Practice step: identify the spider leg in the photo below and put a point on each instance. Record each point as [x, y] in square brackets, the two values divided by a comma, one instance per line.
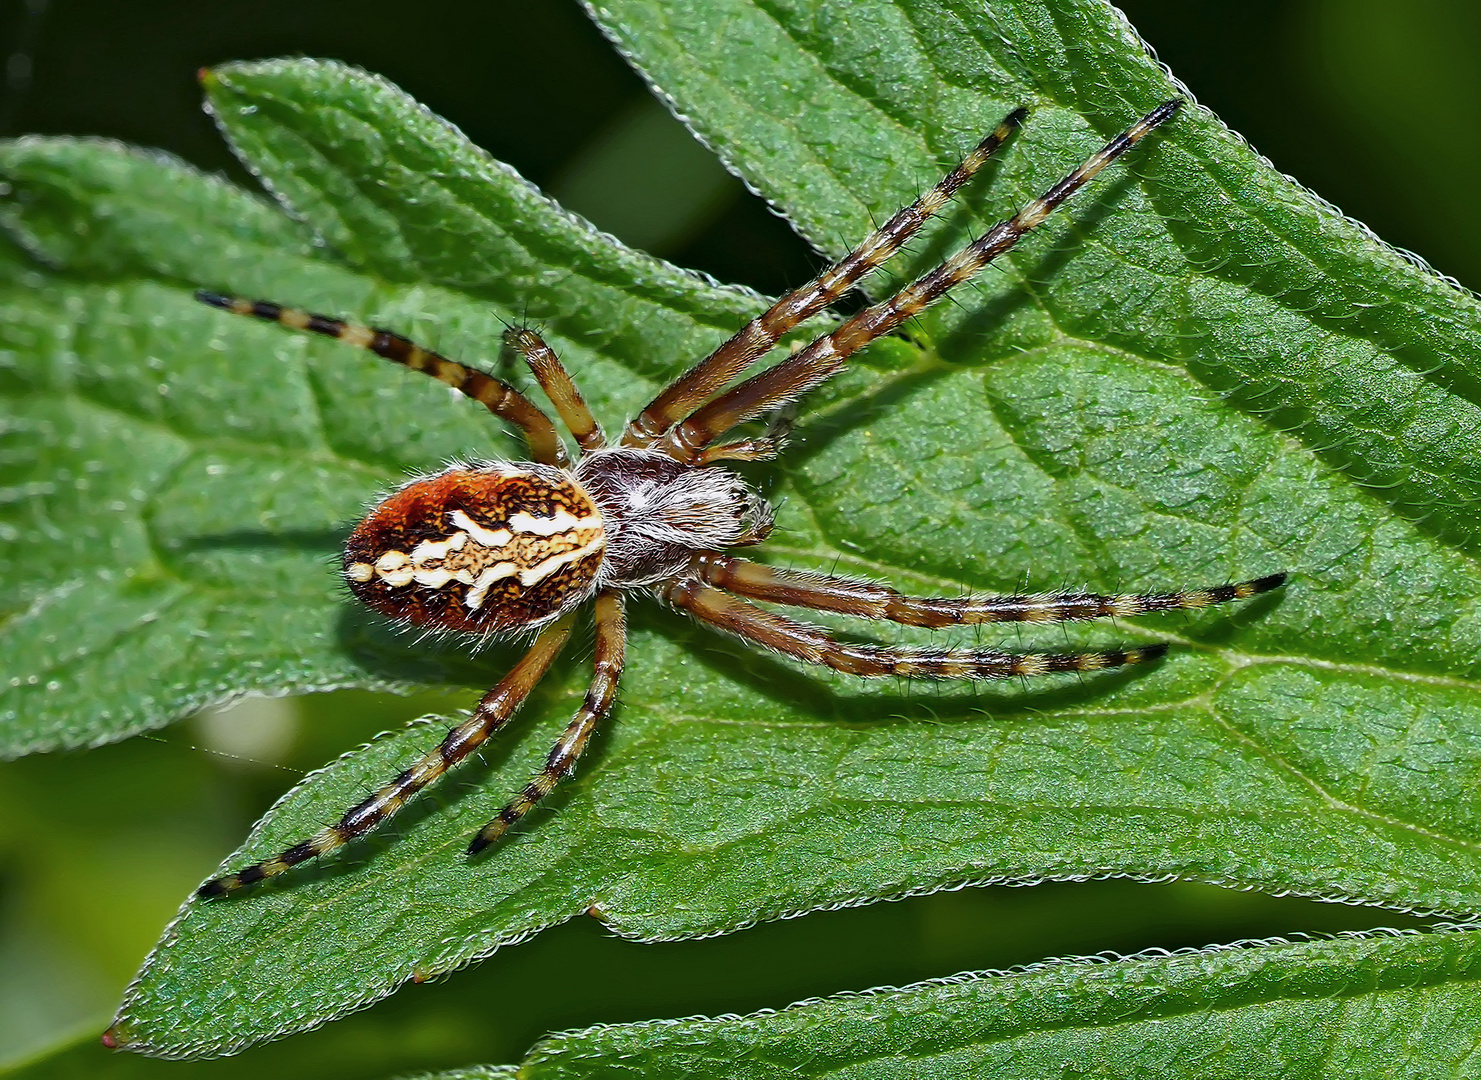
[825, 357]
[557, 384]
[493, 712]
[765, 448]
[611, 647]
[824, 592]
[758, 336]
[744, 619]
[501, 399]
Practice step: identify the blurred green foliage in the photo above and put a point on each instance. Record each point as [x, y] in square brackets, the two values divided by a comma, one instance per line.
[1359, 99]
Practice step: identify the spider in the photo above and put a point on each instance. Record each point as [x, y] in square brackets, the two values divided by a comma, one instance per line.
[499, 549]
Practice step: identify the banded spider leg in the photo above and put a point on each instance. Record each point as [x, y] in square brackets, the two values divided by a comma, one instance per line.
[501, 548]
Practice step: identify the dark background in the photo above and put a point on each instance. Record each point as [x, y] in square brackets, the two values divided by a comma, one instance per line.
[1369, 103]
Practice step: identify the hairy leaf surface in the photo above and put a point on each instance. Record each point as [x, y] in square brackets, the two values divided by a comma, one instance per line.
[1197, 373]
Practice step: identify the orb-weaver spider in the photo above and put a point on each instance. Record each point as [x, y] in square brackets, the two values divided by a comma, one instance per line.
[497, 548]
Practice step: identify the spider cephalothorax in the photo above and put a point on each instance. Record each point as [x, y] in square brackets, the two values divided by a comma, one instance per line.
[501, 548]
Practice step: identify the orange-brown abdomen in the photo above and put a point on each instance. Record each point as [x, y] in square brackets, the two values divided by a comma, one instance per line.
[483, 550]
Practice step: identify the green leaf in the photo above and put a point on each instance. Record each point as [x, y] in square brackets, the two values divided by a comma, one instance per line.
[1196, 373]
[1365, 1007]
[171, 490]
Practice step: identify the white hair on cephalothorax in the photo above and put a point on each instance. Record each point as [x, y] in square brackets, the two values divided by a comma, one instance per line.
[657, 512]
[710, 508]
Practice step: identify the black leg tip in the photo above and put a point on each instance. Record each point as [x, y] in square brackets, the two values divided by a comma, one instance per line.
[212, 889]
[1148, 653]
[215, 300]
[1164, 111]
[1266, 583]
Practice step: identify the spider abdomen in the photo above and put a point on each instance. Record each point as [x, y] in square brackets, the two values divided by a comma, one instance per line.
[485, 550]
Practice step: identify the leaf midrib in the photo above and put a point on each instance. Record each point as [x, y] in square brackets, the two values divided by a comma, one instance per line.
[325, 454]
